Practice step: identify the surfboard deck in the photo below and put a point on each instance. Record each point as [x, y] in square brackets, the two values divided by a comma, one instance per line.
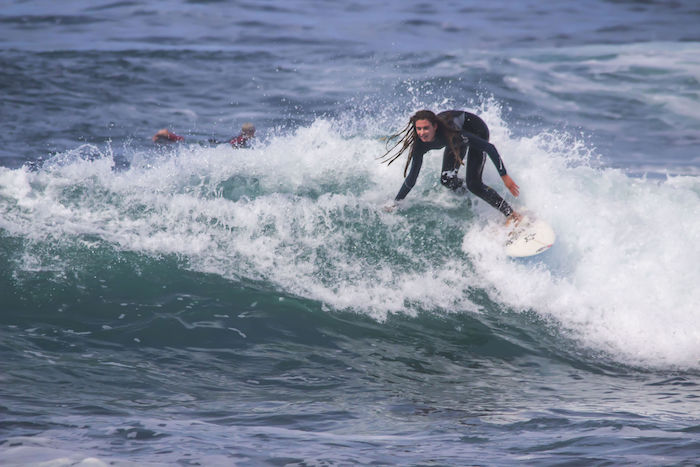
[530, 237]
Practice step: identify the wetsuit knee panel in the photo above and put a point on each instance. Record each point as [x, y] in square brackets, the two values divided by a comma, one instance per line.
[450, 180]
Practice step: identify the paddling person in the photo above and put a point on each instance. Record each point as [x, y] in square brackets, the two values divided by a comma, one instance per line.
[460, 133]
[243, 140]
[167, 136]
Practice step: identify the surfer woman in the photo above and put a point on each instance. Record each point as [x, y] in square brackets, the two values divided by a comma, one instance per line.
[454, 130]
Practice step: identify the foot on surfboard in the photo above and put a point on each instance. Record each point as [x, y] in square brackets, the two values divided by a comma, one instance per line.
[529, 236]
[513, 219]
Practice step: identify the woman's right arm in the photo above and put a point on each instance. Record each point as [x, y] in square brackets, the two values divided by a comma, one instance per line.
[410, 181]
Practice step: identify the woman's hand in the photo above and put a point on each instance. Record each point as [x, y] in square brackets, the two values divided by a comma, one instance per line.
[390, 206]
[511, 185]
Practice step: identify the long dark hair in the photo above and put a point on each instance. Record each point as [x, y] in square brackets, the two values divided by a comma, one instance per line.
[407, 138]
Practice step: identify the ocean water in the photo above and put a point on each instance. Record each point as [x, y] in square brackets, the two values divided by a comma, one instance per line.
[193, 304]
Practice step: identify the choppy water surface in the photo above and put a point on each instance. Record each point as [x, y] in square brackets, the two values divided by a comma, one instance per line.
[195, 304]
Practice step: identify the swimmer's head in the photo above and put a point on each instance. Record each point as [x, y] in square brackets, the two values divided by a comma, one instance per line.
[248, 129]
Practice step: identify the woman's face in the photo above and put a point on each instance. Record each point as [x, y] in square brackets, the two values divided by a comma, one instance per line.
[426, 130]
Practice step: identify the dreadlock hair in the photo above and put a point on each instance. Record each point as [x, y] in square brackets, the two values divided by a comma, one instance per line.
[407, 138]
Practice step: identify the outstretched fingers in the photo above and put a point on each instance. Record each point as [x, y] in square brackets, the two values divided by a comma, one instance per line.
[511, 185]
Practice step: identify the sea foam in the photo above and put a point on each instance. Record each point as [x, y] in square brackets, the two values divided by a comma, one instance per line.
[301, 212]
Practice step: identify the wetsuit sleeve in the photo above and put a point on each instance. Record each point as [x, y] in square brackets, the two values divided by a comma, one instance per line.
[237, 141]
[483, 145]
[410, 181]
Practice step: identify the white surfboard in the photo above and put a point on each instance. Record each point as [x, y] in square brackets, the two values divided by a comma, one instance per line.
[530, 237]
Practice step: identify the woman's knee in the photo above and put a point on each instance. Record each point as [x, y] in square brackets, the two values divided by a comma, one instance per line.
[475, 185]
[450, 180]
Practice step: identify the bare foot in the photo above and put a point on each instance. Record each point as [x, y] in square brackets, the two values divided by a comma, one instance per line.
[514, 218]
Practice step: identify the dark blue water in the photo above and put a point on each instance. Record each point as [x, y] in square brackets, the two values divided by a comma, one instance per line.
[195, 304]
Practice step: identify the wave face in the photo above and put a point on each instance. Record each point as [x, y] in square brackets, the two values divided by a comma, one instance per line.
[195, 304]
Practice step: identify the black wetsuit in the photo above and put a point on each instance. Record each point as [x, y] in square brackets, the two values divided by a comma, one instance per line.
[475, 136]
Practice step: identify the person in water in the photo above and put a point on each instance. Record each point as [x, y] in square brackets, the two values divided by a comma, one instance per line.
[460, 133]
[243, 140]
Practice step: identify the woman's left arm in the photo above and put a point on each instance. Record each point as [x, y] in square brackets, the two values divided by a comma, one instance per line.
[483, 145]
[511, 185]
